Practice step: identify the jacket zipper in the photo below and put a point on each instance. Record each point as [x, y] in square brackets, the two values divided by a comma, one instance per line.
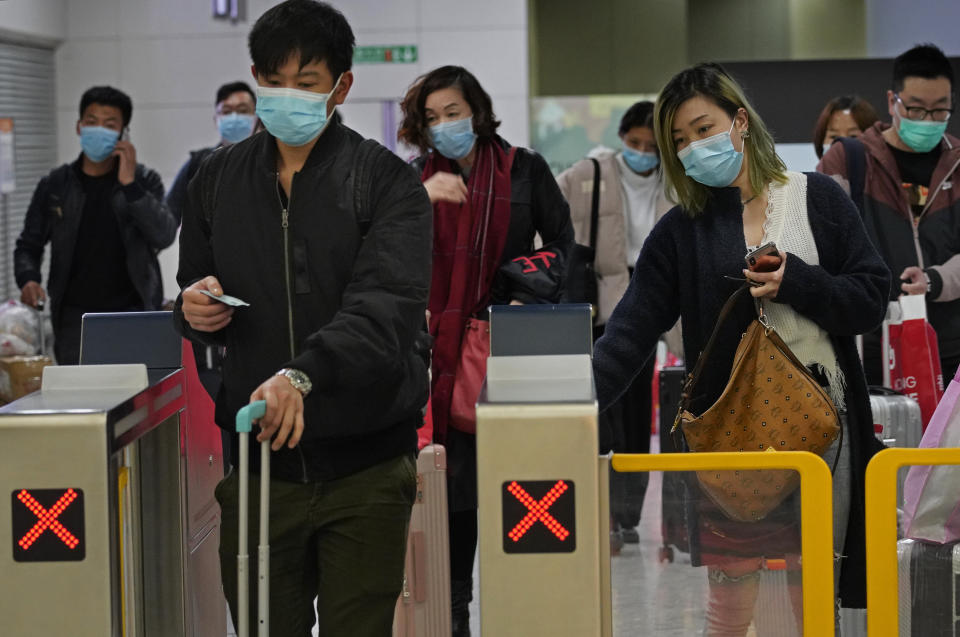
[930, 198]
[915, 222]
[285, 224]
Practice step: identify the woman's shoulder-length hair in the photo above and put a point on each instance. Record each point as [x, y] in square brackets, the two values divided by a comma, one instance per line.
[414, 129]
[711, 82]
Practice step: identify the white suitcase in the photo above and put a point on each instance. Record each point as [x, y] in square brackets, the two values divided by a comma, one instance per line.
[896, 418]
[897, 423]
[423, 609]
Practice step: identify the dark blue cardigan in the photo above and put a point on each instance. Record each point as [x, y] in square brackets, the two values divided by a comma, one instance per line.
[680, 274]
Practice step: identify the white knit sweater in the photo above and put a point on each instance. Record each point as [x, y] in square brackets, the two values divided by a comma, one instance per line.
[788, 226]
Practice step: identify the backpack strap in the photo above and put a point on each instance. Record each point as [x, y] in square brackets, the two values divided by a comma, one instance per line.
[368, 154]
[595, 203]
[210, 186]
[856, 155]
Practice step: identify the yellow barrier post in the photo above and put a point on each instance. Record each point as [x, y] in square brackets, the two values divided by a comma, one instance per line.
[816, 514]
[883, 612]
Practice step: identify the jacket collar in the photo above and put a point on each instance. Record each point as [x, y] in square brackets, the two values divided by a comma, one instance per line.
[77, 167]
[879, 149]
[324, 151]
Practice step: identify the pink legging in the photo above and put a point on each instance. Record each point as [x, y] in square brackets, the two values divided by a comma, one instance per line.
[733, 593]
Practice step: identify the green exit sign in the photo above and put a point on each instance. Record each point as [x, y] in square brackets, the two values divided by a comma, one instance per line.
[397, 54]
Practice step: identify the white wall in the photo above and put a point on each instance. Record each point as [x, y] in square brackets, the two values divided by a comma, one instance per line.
[34, 20]
[894, 26]
[171, 56]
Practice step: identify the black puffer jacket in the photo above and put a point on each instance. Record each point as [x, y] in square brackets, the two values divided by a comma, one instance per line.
[146, 224]
[356, 303]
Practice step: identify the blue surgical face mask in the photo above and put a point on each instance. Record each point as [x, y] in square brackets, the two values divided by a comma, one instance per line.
[293, 116]
[712, 161]
[921, 136]
[236, 127]
[454, 140]
[638, 161]
[98, 142]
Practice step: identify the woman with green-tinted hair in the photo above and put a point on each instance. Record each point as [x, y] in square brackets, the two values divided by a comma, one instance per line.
[826, 286]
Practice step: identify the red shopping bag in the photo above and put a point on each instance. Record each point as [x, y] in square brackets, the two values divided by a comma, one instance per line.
[913, 355]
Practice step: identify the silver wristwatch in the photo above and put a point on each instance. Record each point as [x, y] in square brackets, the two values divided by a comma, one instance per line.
[299, 380]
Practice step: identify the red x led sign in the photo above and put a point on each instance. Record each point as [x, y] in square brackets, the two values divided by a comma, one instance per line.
[47, 525]
[539, 516]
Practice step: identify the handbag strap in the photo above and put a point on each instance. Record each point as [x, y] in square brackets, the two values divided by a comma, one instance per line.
[595, 203]
[687, 394]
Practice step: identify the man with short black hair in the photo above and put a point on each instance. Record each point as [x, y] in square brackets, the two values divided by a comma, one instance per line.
[236, 119]
[105, 219]
[908, 197]
[327, 236]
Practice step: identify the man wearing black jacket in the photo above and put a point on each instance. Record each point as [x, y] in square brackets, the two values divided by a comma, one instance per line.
[105, 219]
[337, 298]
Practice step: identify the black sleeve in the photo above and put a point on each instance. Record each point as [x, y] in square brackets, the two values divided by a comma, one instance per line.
[28, 254]
[551, 212]
[196, 256]
[649, 308]
[143, 204]
[851, 297]
[383, 305]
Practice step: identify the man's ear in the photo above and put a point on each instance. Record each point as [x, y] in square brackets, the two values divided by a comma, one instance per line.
[78, 127]
[891, 103]
[343, 88]
[253, 72]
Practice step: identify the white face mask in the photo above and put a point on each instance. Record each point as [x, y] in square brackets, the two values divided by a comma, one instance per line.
[826, 147]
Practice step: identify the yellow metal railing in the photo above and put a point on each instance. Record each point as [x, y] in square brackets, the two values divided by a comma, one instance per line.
[816, 514]
[881, 501]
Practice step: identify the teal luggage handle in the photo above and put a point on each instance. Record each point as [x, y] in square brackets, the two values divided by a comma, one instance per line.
[245, 418]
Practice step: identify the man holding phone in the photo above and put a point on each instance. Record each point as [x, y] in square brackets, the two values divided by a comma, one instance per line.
[105, 219]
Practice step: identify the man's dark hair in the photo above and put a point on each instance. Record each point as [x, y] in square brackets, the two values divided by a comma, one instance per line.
[414, 130]
[108, 96]
[924, 60]
[313, 30]
[227, 90]
[640, 114]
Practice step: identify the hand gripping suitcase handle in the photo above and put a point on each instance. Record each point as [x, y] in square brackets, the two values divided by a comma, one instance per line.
[246, 415]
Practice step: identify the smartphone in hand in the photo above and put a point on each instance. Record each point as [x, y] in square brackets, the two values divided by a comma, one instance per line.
[766, 258]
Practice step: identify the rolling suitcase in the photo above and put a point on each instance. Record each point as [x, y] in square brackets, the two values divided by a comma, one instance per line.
[245, 418]
[929, 584]
[897, 423]
[423, 609]
[896, 418]
[673, 522]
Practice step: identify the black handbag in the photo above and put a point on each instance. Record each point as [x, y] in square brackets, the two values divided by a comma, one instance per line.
[580, 285]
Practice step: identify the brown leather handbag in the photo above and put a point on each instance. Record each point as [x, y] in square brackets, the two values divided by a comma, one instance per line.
[771, 403]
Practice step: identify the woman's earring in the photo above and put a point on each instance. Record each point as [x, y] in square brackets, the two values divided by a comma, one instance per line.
[745, 134]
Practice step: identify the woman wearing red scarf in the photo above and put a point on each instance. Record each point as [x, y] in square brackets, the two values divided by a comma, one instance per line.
[489, 201]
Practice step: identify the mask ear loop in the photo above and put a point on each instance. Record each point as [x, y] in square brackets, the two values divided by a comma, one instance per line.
[743, 135]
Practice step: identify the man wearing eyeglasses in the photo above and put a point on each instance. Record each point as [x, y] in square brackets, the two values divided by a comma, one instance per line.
[902, 177]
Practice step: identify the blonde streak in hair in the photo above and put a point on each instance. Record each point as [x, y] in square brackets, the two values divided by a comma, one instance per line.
[684, 190]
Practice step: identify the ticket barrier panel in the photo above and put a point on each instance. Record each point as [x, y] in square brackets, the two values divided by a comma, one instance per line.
[106, 483]
[816, 511]
[883, 604]
[542, 491]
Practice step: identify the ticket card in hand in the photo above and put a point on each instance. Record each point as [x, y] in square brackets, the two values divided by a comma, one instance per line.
[226, 299]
